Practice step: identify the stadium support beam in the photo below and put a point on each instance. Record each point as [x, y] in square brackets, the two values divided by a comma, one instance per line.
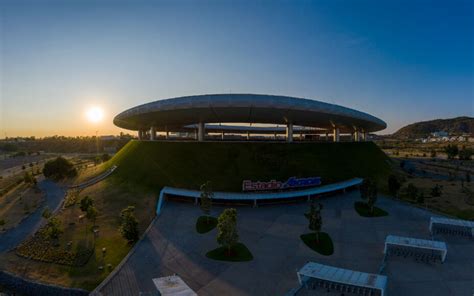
[152, 133]
[222, 136]
[289, 132]
[335, 134]
[356, 135]
[201, 131]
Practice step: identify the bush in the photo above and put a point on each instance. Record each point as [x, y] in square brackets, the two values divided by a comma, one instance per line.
[59, 168]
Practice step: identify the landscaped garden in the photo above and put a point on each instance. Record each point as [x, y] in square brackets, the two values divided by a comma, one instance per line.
[90, 241]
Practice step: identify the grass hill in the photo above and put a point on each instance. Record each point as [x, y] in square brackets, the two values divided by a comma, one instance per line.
[456, 126]
[153, 165]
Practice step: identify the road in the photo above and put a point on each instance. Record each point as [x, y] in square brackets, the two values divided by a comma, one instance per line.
[54, 196]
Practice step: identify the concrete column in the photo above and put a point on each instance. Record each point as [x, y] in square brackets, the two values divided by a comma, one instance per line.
[366, 135]
[152, 133]
[167, 135]
[222, 135]
[327, 137]
[139, 134]
[289, 132]
[201, 131]
[248, 135]
[336, 134]
[356, 135]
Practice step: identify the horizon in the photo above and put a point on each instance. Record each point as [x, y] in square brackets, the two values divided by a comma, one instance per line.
[395, 60]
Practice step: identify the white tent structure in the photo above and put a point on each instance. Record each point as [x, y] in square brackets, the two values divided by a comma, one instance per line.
[415, 247]
[452, 226]
[314, 275]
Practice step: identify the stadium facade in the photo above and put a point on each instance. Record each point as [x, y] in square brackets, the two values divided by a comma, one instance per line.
[263, 114]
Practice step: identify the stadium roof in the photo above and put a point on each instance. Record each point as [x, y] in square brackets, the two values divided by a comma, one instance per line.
[175, 113]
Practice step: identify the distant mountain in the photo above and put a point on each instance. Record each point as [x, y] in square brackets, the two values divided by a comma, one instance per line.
[454, 126]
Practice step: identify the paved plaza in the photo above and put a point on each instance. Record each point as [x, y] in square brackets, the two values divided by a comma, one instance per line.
[172, 246]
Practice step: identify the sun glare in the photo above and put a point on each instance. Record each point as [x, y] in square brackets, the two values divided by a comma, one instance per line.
[95, 114]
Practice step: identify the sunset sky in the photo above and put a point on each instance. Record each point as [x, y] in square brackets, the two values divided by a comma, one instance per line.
[402, 61]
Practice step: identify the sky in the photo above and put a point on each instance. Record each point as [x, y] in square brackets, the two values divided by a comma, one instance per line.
[402, 61]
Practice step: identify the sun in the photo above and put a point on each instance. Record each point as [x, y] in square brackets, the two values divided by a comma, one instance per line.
[94, 114]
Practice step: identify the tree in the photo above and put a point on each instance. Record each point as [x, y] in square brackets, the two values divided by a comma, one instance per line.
[451, 151]
[393, 185]
[372, 197]
[46, 213]
[412, 191]
[105, 157]
[206, 199]
[85, 203]
[465, 153]
[59, 168]
[91, 214]
[227, 235]
[28, 178]
[129, 224]
[368, 191]
[53, 228]
[315, 219]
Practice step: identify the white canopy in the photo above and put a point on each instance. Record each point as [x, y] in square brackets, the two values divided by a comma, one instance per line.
[343, 276]
[451, 222]
[416, 243]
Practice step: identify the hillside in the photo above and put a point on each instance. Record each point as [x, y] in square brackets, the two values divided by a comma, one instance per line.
[153, 165]
[456, 126]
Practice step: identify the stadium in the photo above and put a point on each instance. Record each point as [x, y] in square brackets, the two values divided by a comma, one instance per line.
[204, 114]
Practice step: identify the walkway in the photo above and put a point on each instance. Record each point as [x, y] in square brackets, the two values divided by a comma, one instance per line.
[54, 196]
[272, 235]
[94, 180]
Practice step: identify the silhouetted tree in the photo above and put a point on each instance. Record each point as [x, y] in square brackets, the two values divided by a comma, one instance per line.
[206, 199]
[451, 151]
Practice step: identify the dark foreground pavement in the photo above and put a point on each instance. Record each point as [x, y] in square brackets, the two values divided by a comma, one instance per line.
[272, 234]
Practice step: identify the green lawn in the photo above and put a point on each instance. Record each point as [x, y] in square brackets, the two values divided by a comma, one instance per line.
[205, 224]
[323, 247]
[239, 252]
[363, 210]
[152, 165]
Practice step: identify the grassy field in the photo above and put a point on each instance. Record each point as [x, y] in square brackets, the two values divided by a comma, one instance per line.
[152, 165]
